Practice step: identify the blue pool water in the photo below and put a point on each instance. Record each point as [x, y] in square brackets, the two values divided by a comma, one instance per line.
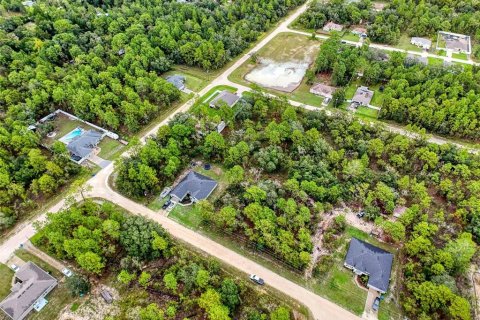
[71, 135]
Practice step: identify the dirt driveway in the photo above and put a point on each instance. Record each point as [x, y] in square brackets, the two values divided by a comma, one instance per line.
[368, 312]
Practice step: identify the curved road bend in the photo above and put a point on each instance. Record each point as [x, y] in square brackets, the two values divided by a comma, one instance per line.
[321, 308]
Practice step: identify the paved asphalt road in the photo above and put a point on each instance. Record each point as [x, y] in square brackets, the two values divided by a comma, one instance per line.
[320, 307]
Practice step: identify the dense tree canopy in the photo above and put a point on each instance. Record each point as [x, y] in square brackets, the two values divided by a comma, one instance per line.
[298, 164]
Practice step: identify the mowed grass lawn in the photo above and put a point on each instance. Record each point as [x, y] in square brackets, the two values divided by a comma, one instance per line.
[110, 148]
[6, 276]
[435, 61]
[58, 298]
[404, 43]
[462, 56]
[283, 48]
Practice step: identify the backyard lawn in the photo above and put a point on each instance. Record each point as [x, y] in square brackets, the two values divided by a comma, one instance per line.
[62, 125]
[6, 276]
[110, 148]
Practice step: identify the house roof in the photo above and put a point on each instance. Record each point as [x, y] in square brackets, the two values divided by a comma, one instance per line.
[225, 96]
[34, 283]
[367, 258]
[332, 26]
[194, 184]
[323, 90]
[359, 30]
[422, 41]
[177, 80]
[455, 41]
[83, 145]
[363, 95]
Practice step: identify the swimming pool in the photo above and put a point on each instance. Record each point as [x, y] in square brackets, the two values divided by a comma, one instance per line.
[71, 135]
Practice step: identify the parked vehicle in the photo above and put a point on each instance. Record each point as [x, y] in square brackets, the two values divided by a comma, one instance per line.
[14, 267]
[165, 192]
[166, 204]
[361, 214]
[257, 279]
[376, 304]
[67, 272]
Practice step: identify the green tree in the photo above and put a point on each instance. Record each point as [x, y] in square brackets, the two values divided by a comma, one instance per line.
[90, 262]
[125, 277]
[144, 279]
[170, 281]
[77, 285]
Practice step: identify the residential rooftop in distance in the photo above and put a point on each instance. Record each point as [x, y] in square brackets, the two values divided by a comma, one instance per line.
[363, 96]
[225, 97]
[177, 80]
[366, 259]
[332, 26]
[32, 284]
[454, 42]
[421, 42]
[323, 90]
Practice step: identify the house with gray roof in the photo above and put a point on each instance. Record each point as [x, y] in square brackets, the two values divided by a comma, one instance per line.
[363, 96]
[366, 259]
[81, 147]
[177, 80]
[224, 97]
[421, 42]
[194, 187]
[31, 286]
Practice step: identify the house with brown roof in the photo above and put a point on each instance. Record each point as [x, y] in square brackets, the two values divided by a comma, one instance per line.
[360, 31]
[332, 26]
[323, 90]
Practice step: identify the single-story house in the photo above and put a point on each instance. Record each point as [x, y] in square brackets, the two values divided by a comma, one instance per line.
[194, 186]
[366, 259]
[177, 80]
[31, 286]
[360, 31]
[81, 147]
[454, 42]
[28, 3]
[332, 26]
[363, 96]
[224, 97]
[421, 42]
[379, 6]
[323, 90]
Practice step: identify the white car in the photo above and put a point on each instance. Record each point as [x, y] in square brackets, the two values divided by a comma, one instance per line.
[257, 279]
[67, 272]
[14, 267]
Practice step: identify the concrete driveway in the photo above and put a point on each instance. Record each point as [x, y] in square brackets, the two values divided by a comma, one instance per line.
[368, 312]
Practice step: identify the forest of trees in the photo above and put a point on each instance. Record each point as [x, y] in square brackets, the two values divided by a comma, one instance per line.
[103, 62]
[286, 167]
[104, 240]
[399, 17]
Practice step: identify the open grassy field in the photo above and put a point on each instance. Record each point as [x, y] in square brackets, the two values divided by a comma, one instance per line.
[404, 43]
[283, 48]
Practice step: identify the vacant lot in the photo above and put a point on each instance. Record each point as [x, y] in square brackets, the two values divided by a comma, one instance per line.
[281, 66]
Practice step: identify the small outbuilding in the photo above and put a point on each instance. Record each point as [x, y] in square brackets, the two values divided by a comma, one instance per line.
[224, 97]
[193, 188]
[177, 80]
[366, 259]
